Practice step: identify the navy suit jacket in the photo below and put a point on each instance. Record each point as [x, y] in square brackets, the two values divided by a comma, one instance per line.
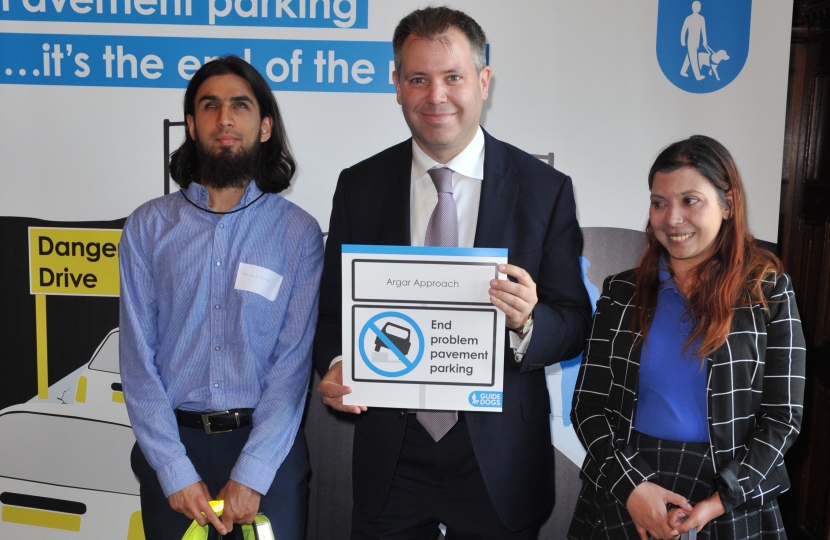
[528, 208]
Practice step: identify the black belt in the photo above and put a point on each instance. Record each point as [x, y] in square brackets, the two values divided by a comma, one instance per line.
[215, 422]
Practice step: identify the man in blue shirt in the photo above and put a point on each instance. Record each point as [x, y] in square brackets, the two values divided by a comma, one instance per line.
[219, 287]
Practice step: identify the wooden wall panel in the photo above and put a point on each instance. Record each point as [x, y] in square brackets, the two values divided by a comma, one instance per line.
[804, 246]
[811, 273]
[814, 492]
[818, 147]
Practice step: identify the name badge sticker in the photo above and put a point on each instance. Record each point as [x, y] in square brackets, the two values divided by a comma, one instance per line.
[259, 280]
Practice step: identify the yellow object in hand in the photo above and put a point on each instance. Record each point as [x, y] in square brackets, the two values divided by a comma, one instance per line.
[260, 530]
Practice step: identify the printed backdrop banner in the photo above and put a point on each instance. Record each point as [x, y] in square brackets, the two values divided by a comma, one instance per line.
[169, 62]
[92, 93]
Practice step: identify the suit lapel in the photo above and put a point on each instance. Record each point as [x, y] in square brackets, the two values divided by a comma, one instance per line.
[499, 191]
[396, 187]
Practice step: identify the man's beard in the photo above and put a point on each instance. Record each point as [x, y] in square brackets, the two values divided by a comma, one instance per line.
[226, 168]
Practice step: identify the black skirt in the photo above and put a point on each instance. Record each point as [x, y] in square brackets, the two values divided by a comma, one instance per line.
[685, 469]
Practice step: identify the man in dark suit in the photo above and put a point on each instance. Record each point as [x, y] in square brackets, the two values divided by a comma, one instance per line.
[483, 475]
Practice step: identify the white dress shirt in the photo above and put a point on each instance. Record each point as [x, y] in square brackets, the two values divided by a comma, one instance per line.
[467, 174]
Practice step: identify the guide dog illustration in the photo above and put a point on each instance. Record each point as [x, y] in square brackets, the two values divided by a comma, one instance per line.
[712, 59]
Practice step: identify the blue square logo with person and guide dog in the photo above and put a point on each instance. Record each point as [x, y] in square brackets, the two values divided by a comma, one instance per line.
[702, 45]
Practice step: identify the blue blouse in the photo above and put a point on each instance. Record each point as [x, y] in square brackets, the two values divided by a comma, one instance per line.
[672, 396]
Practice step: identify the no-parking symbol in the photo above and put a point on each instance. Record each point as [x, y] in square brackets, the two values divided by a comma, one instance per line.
[395, 343]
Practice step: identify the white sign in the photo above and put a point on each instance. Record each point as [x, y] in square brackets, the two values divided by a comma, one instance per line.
[419, 331]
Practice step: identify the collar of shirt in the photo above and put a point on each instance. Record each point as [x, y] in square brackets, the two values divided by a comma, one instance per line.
[468, 172]
[198, 194]
[469, 162]
[664, 277]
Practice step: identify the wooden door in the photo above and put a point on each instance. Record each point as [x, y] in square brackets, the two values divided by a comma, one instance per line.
[804, 246]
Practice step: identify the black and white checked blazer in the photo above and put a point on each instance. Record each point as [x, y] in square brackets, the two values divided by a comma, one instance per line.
[755, 392]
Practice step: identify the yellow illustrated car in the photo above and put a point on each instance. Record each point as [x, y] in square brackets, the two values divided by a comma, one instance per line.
[65, 473]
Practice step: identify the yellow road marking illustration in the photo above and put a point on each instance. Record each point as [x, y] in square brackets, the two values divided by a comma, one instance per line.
[80, 391]
[136, 528]
[41, 518]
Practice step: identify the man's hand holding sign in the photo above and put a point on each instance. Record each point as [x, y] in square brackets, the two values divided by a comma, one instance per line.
[515, 300]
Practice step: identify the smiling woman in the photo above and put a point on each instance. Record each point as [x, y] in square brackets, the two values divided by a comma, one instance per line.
[692, 382]
[686, 215]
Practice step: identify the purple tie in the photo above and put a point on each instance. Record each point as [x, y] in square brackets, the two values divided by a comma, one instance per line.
[443, 223]
[442, 231]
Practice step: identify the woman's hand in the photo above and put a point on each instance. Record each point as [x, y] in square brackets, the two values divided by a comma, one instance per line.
[677, 516]
[647, 507]
[703, 512]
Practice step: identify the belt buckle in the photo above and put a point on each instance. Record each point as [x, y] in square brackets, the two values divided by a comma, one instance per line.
[206, 421]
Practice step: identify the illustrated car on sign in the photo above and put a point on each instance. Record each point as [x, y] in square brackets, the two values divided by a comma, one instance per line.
[100, 382]
[67, 475]
[399, 337]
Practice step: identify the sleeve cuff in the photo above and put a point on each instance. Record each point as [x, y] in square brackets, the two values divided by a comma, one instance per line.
[177, 475]
[630, 470]
[520, 345]
[731, 494]
[336, 359]
[254, 473]
[624, 489]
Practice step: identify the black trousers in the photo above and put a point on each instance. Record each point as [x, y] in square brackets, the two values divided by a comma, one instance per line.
[437, 482]
[214, 456]
[685, 469]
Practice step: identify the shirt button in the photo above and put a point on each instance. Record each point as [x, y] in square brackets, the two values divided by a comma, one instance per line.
[216, 348]
[216, 306]
[221, 225]
[216, 385]
[218, 263]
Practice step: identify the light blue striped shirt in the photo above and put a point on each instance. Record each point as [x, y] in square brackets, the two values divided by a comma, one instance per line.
[191, 340]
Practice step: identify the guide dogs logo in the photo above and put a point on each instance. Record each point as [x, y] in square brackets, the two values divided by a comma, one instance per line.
[485, 398]
[703, 45]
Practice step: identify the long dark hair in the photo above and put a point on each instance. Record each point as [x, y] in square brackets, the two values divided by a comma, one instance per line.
[733, 276]
[276, 162]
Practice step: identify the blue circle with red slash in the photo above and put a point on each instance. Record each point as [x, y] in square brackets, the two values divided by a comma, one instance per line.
[410, 364]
